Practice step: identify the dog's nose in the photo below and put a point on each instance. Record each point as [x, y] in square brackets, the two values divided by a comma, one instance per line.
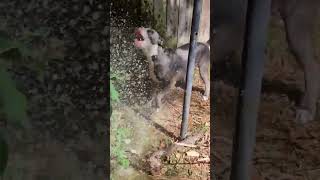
[138, 29]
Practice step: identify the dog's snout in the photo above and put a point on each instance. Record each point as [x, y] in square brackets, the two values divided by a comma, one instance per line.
[138, 29]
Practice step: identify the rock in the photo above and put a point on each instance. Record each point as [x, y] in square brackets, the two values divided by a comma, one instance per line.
[127, 141]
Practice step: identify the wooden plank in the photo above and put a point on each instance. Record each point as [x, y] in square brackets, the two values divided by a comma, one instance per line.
[204, 29]
[159, 7]
[172, 22]
[147, 6]
[185, 18]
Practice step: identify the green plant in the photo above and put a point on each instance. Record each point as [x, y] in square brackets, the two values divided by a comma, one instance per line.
[116, 77]
[118, 134]
[117, 149]
[117, 146]
[30, 49]
[113, 93]
[13, 104]
[3, 155]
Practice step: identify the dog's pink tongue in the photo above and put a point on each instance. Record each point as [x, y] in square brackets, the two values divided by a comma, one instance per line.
[137, 43]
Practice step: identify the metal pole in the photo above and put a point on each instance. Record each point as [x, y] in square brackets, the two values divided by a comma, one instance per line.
[197, 6]
[258, 13]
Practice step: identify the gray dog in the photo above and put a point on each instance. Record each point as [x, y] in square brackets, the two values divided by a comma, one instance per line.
[299, 19]
[169, 66]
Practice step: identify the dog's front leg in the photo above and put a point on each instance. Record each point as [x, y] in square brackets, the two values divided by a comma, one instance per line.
[151, 73]
[166, 90]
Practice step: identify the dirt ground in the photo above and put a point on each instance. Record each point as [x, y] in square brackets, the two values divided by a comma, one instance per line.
[162, 129]
[284, 149]
[199, 122]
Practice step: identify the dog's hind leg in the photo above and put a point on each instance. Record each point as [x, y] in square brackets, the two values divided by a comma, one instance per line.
[151, 72]
[300, 23]
[204, 73]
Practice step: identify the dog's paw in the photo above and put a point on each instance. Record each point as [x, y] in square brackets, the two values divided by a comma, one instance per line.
[303, 116]
[205, 98]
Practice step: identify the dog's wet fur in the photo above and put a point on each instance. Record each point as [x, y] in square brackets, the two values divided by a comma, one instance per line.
[168, 67]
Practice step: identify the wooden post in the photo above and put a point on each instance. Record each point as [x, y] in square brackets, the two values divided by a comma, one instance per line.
[172, 20]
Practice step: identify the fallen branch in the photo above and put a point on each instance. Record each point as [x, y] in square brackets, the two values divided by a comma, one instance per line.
[186, 145]
[155, 159]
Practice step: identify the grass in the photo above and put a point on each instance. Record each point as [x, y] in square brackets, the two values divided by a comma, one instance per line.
[118, 134]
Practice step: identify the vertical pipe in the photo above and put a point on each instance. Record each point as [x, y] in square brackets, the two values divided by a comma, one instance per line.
[258, 13]
[197, 6]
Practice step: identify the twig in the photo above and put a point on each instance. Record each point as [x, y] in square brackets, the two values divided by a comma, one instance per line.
[186, 145]
[204, 160]
[155, 159]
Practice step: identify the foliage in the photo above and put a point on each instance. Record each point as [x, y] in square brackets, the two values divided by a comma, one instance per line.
[118, 134]
[3, 155]
[113, 93]
[30, 50]
[14, 103]
[117, 150]
[116, 77]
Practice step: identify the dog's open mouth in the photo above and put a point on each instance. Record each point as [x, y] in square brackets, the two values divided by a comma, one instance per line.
[139, 37]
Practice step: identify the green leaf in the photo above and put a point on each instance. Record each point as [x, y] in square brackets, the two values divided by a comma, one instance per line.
[6, 43]
[13, 50]
[4, 153]
[14, 102]
[125, 163]
[114, 93]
